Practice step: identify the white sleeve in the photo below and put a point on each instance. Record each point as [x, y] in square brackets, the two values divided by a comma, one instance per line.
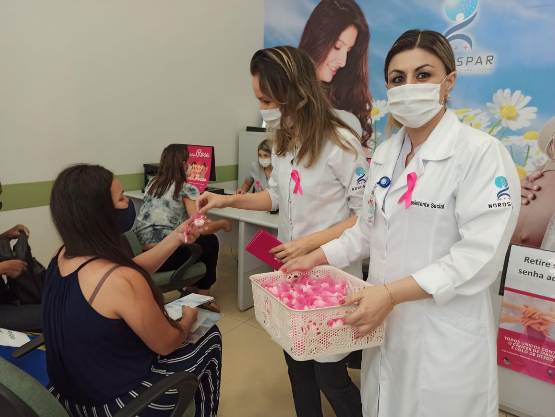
[486, 221]
[351, 170]
[252, 172]
[354, 243]
[273, 185]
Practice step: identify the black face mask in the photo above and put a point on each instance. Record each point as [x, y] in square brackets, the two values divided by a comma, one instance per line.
[125, 217]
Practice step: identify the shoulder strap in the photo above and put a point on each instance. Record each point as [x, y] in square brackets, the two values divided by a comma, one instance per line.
[101, 282]
[94, 258]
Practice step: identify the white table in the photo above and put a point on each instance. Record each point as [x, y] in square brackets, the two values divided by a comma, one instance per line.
[249, 222]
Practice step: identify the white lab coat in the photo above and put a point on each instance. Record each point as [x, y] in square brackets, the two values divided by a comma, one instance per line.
[439, 355]
[332, 192]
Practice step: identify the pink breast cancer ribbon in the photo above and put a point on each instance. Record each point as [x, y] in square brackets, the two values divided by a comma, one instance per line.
[407, 197]
[295, 176]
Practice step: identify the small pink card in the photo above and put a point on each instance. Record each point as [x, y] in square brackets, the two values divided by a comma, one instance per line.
[260, 246]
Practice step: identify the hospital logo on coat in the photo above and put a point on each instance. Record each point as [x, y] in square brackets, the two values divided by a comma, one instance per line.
[360, 175]
[501, 192]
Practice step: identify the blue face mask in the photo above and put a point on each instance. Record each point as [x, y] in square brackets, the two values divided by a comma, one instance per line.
[125, 218]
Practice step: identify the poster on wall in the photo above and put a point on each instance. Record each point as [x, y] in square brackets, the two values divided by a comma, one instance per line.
[199, 166]
[504, 85]
[526, 338]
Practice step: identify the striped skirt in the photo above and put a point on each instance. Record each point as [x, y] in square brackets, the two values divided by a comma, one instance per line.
[204, 359]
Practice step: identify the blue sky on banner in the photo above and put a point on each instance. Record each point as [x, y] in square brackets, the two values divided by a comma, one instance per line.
[519, 34]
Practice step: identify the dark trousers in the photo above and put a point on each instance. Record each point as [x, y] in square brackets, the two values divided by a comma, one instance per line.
[209, 257]
[24, 318]
[308, 378]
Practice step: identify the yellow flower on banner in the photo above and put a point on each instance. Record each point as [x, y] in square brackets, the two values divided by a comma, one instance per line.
[521, 171]
[510, 109]
[461, 112]
[531, 135]
[379, 110]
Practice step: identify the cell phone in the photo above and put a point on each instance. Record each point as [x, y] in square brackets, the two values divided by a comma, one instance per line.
[261, 245]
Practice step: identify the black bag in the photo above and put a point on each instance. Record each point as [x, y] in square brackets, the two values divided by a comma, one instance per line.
[26, 288]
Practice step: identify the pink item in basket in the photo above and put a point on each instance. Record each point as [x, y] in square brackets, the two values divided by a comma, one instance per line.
[306, 293]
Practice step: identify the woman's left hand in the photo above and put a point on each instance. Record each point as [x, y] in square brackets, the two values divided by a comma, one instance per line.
[374, 305]
[291, 250]
[187, 232]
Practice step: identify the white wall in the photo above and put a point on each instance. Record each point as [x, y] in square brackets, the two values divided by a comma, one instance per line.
[114, 81]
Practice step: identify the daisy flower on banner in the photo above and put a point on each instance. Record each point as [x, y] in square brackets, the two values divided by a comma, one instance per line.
[379, 110]
[510, 110]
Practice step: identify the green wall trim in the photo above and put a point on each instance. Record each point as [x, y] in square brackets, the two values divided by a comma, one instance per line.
[37, 194]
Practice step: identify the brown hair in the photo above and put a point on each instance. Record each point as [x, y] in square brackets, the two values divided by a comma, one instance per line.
[171, 171]
[288, 77]
[349, 88]
[265, 146]
[429, 40]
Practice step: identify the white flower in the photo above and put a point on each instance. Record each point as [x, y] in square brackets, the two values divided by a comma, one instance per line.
[511, 109]
[379, 110]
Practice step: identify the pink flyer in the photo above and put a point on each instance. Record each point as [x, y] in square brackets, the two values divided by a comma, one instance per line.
[199, 165]
[526, 338]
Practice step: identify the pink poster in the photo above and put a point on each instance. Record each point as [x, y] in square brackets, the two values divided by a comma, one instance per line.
[526, 338]
[199, 165]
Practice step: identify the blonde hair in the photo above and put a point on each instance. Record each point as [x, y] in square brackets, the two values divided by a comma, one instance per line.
[288, 77]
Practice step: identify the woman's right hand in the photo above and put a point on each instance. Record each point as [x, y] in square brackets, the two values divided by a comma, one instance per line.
[528, 188]
[209, 201]
[306, 262]
[188, 318]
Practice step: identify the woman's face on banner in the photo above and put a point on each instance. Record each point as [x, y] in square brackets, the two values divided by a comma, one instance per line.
[337, 55]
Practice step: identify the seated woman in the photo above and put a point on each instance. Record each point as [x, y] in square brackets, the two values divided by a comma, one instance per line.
[108, 335]
[168, 201]
[261, 169]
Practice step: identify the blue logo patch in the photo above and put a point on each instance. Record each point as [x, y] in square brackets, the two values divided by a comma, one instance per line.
[501, 182]
[360, 172]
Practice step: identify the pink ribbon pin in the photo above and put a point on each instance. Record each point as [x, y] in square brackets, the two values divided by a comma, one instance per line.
[407, 197]
[295, 176]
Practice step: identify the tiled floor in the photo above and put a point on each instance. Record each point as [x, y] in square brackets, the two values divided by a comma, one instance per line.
[254, 376]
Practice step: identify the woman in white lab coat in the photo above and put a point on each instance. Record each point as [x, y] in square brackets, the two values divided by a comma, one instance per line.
[317, 182]
[440, 206]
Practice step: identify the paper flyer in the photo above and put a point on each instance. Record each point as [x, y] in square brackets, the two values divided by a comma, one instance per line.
[526, 338]
[199, 166]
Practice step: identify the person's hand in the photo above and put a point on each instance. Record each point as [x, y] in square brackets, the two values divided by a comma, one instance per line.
[306, 262]
[374, 305]
[240, 191]
[209, 201]
[187, 232]
[226, 226]
[528, 189]
[188, 317]
[16, 231]
[13, 268]
[288, 251]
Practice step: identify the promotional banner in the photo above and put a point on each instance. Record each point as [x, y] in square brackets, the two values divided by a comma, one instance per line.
[199, 166]
[526, 338]
[505, 61]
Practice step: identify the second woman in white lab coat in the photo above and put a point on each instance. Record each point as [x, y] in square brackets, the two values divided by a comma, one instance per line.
[317, 182]
[440, 206]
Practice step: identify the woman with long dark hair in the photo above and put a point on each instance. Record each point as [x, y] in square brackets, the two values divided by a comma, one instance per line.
[168, 201]
[108, 335]
[336, 37]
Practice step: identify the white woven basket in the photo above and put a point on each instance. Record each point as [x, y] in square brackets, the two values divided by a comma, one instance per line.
[307, 334]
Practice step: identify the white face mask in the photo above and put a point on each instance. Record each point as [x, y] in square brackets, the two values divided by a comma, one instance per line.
[264, 162]
[414, 105]
[271, 117]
